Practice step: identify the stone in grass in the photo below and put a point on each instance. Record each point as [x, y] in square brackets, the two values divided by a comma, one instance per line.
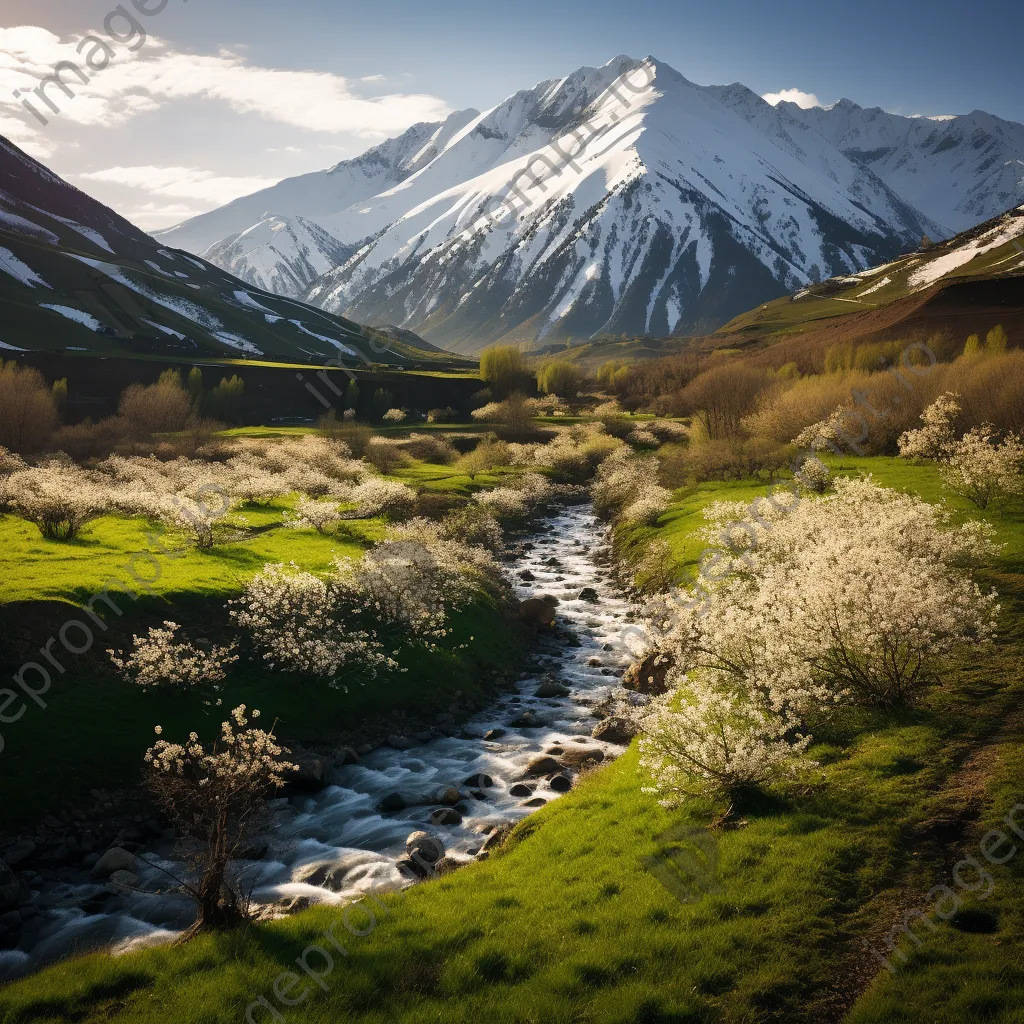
[537, 801]
[424, 847]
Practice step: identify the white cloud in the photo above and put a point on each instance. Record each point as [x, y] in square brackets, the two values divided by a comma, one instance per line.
[797, 96]
[181, 182]
[156, 76]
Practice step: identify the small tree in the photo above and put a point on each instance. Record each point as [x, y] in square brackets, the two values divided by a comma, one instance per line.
[996, 341]
[28, 411]
[981, 468]
[503, 368]
[972, 347]
[60, 395]
[216, 797]
[561, 377]
[195, 387]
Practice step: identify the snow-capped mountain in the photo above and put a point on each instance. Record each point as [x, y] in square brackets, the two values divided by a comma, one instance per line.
[958, 170]
[286, 227]
[76, 277]
[281, 254]
[618, 199]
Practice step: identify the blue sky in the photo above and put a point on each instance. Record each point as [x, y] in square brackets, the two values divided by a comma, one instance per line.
[227, 95]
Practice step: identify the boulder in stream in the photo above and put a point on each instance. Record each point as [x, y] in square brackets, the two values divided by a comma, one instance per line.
[543, 766]
[615, 730]
[535, 612]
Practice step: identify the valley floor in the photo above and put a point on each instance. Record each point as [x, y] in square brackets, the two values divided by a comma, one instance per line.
[567, 923]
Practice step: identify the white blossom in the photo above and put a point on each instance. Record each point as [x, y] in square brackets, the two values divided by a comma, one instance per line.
[160, 659]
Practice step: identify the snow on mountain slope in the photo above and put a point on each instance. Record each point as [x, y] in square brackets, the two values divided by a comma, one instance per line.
[688, 205]
[958, 170]
[643, 203]
[74, 276]
[280, 254]
[319, 194]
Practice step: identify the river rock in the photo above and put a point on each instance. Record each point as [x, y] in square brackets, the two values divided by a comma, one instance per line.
[399, 742]
[480, 781]
[528, 720]
[445, 816]
[560, 783]
[590, 595]
[496, 838]
[521, 789]
[536, 612]
[393, 802]
[648, 676]
[543, 766]
[115, 859]
[20, 852]
[448, 795]
[550, 688]
[549, 599]
[526, 576]
[312, 774]
[494, 734]
[537, 801]
[576, 756]
[122, 879]
[615, 730]
[13, 891]
[346, 755]
[424, 847]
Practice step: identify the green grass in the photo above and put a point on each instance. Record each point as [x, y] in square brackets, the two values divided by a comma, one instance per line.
[96, 726]
[567, 925]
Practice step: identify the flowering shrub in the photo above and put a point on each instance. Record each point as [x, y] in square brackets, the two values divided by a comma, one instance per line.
[60, 499]
[936, 438]
[378, 497]
[715, 744]
[313, 515]
[814, 475]
[296, 621]
[981, 468]
[385, 454]
[858, 595]
[394, 416]
[626, 480]
[476, 526]
[825, 434]
[160, 659]
[641, 437]
[259, 488]
[215, 797]
[574, 455]
[519, 501]
[198, 517]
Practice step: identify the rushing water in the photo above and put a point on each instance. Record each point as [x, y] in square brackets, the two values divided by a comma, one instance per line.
[332, 846]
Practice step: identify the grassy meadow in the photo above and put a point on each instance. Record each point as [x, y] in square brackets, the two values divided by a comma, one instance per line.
[566, 924]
